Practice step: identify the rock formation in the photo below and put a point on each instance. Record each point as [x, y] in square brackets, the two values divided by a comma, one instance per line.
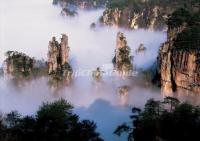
[123, 94]
[178, 61]
[93, 25]
[64, 50]
[97, 74]
[148, 14]
[122, 60]
[67, 12]
[53, 55]
[129, 17]
[58, 53]
[141, 48]
[18, 64]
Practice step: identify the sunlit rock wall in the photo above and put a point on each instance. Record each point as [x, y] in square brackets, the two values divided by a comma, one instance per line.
[178, 60]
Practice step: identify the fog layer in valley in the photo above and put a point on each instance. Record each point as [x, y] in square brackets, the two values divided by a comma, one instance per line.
[28, 25]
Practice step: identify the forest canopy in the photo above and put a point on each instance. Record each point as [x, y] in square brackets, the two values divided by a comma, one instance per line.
[167, 120]
[52, 122]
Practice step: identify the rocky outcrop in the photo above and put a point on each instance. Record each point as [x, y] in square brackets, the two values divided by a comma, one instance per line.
[58, 54]
[141, 48]
[58, 65]
[128, 18]
[67, 12]
[123, 94]
[18, 64]
[122, 60]
[134, 14]
[97, 74]
[53, 55]
[179, 56]
[165, 61]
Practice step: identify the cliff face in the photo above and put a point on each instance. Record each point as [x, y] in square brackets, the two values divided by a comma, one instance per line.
[122, 60]
[179, 56]
[128, 18]
[149, 14]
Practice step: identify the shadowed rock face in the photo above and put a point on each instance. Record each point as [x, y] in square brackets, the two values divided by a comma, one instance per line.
[134, 14]
[179, 56]
[128, 18]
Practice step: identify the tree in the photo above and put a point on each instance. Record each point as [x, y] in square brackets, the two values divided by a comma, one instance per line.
[157, 122]
[172, 102]
[52, 122]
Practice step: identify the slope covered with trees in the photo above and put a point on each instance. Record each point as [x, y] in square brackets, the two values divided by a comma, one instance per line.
[52, 122]
[167, 120]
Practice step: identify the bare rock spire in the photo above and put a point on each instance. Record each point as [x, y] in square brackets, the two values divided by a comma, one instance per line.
[52, 55]
[58, 54]
[64, 49]
[58, 66]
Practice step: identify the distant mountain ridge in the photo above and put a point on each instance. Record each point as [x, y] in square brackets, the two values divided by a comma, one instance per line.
[148, 14]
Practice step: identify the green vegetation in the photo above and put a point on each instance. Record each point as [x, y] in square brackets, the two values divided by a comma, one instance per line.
[67, 12]
[144, 13]
[189, 38]
[92, 3]
[61, 76]
[178, 18]
[20, 65]
[52, 122]
[139, 4]
[135, 5]
[124, 59]
[167, 120]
